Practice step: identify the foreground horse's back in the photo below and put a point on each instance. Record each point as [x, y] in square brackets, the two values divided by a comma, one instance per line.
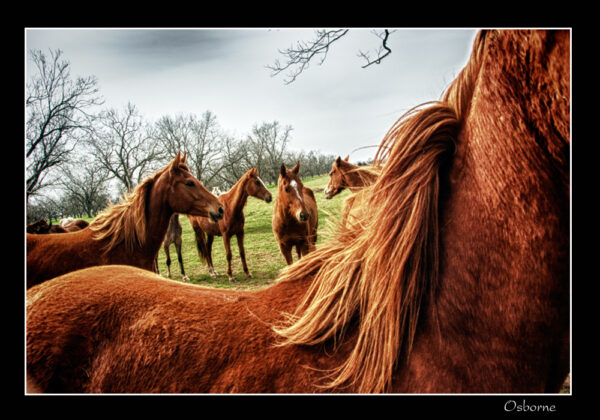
[123, 329]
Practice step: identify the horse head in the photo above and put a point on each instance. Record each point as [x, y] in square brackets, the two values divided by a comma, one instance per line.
[336, 182]
[187, 195]
[255, 187]
[291, 192]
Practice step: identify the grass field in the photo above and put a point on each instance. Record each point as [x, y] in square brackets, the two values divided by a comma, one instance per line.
[262, 252]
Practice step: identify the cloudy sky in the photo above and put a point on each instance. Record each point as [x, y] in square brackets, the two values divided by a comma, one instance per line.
[334, 108]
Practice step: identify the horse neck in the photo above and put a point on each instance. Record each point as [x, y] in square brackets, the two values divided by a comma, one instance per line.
[158, 214]
[356, 178]
[504, 228]
[235, 199]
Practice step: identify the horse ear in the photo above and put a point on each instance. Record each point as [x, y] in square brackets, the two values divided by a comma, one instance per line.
[183, 157]
[175, 163]
[346, 158]
[338, 161]
[296, 168]
[283, 171]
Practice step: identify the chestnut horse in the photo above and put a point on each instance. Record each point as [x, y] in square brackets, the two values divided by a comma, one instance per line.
[41, 227]
[173, 236]
[295, 216]
[457, 281]
[232, 223]
[344, 175]
[128, 233]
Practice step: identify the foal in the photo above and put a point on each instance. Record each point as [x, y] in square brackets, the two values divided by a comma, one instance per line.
[232, 223]
[295, 216]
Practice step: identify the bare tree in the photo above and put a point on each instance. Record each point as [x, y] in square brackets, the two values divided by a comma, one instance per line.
[57, 116]
[85, 185]
[298, 57]
[266, 147]
[200, 138]
[122, 145]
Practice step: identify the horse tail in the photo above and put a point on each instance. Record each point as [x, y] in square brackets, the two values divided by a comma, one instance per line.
[200, 239]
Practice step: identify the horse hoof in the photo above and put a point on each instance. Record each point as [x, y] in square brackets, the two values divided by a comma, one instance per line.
[186, 279]
[250, 276]
[213, 275]
[231, 280]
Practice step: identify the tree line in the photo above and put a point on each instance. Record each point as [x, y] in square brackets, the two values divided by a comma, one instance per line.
[80, 156]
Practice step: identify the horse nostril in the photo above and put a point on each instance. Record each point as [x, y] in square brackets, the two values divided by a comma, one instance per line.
[268, 199]
[220, 210]
[304, 216]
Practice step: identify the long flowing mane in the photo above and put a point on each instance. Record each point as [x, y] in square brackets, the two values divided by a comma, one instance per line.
[126, 222]
[378, 273]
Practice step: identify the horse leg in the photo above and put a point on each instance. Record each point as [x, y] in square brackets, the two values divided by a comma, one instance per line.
[286, 250]
[166, 248]
[180, 259]
[240, 241]
[209, 242]
[227, 242]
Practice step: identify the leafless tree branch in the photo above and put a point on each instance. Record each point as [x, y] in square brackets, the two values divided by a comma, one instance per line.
[384, 35]
[299, 57]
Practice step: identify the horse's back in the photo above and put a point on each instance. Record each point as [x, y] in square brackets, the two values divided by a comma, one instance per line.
[124, 329]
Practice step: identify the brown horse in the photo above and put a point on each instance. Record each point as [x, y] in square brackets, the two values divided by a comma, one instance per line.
[73, 225]
[128, 233]
[234, 201]
[295, 216]
[457, 282]
[344, 175]
[42, 227]
[173, 236]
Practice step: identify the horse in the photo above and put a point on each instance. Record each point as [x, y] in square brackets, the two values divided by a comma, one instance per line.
[130, 232]
[173, 236]
[456, 282]
[72, 225]
[295, 216]
[41, 227]
[232, 223]
[344, 175]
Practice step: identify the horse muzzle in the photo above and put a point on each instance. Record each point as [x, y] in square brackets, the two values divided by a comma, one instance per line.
[216, 216]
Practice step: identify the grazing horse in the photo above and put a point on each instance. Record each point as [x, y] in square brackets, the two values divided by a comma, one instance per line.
[457, 281]
[344, 175]
[232, 223]
[173, 236]
[127, 233]
[295, 216]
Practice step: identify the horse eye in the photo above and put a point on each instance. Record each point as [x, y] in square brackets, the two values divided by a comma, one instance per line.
[257, 182]
[190, 183]
[287, 189]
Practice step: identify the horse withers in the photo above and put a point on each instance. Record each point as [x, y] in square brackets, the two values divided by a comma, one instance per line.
[295, 216]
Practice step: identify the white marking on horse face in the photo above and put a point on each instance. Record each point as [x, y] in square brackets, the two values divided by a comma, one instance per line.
[261, 181]
[294, 185]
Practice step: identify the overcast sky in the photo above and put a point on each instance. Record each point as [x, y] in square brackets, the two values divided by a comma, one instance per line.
[334, 108]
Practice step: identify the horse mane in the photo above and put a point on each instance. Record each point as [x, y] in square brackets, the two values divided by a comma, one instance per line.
[375, 275]
[126, 222]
